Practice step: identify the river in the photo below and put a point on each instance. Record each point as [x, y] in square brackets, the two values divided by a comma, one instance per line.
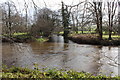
[79, 57]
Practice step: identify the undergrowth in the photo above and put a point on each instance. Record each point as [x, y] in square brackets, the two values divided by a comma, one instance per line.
[18, 72]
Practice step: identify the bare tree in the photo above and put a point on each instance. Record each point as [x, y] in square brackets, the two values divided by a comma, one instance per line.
[98, 15]
[73, 13]
[119, 17]
[111, 12]
[46, 23]
[7, 16]
[12, 20]
[26, 11]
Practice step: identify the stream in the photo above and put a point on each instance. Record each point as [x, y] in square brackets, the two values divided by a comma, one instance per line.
[94, 59]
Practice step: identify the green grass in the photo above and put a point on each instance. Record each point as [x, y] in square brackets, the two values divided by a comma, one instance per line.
[18, 72]
[26, 36]
[113, 36]
[92, 31]
[15, 34]
[41, 39]
[86, 32]
[61, 32]
[79, 32]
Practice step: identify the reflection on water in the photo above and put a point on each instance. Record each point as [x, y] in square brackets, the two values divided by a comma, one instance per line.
[88, 58]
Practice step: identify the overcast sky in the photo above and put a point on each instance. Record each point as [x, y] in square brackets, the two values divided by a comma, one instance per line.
[53, 4]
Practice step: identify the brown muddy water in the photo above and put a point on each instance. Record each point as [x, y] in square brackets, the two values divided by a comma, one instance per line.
[89, 58]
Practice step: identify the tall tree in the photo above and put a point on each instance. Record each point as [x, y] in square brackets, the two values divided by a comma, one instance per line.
[65, 19]
[98, 15]
[26, 16]
[119, 17]
[46, 23]
[111, 12]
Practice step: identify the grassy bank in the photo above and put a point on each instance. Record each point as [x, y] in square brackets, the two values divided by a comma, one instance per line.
[22, 37]
[17, 72]
[93, 39]
[41, 39]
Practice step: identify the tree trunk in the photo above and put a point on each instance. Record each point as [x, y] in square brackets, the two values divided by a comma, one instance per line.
[98, 12]
[109, 16]
[65, 20]
[9, 20]
[119, 18]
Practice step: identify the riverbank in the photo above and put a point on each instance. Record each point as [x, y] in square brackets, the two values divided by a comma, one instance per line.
[24, 38]
[93, 40]
[18, 72]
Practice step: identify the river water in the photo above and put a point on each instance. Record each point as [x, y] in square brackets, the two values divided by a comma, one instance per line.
[89, 58]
